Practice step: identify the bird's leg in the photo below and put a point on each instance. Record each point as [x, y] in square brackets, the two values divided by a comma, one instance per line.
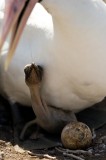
[17, 120]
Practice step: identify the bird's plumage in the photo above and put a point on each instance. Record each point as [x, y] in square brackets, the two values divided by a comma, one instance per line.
[69, 42]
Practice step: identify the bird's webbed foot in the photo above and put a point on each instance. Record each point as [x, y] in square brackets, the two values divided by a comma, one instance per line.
[27, 125]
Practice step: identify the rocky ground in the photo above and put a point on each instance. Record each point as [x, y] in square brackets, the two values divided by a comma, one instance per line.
[45, 147]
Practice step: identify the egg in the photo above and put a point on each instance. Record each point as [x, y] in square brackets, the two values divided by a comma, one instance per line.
[76, 135]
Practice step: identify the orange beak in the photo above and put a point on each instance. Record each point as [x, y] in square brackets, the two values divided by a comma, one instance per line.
[15, 18]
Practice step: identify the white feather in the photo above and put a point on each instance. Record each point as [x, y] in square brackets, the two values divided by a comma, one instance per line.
[70, 44]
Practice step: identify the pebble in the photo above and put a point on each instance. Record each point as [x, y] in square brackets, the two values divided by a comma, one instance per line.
[19, 149]
[7, 143]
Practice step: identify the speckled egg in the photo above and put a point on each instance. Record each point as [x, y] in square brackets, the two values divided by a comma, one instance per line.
[76, 135]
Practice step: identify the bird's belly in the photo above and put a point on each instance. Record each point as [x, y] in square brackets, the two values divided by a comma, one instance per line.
[61, 87]
[64, 84]
[71, 94]
[57, 90]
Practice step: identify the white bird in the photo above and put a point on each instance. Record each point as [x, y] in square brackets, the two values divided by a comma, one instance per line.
[68, 39]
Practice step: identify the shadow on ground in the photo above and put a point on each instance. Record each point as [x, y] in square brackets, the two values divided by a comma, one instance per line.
[45, 147]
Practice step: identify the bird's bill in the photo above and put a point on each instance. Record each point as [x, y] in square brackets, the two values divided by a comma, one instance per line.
[15, 17]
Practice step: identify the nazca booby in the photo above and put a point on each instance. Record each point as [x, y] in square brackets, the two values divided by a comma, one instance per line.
[68, 39]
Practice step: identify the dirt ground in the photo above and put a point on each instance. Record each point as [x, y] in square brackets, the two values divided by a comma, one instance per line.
[11, 148]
